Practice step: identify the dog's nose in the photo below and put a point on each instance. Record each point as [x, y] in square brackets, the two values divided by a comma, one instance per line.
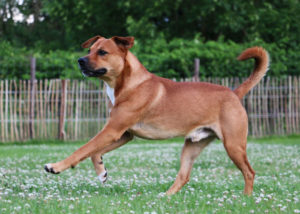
[82, 61]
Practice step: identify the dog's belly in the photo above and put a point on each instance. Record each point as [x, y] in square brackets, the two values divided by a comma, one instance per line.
[149, 131]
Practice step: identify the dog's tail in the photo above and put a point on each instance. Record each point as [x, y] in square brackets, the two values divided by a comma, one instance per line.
[261, 57]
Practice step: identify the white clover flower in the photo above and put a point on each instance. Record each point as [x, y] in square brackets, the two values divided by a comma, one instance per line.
[229, 201]
[283, 208]
[17, 208]
[258, 200]
[161, 194]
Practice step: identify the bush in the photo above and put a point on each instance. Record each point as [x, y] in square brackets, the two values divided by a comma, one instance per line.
[174, 59]
[15, 63]
[217, 58]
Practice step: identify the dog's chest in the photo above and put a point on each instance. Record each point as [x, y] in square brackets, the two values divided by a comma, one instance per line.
[110, 93]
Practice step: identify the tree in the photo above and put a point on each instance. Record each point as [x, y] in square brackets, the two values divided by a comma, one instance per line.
[64, 24]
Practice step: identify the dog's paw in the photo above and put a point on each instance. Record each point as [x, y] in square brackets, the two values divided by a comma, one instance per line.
[170, 192]
[48, 167]
[103, 176]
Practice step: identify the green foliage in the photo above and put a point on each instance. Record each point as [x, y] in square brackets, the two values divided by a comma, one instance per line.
[15, 63]
[174, 59]
[217, 58]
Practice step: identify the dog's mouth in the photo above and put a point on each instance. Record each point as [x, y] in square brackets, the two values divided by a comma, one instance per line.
[87, 71]
[93, 73]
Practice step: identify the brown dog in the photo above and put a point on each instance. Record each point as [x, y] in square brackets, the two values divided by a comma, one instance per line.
[152, 107]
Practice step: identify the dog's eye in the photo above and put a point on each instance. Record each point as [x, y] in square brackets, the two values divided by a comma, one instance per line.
[102, 52]
[89, 51]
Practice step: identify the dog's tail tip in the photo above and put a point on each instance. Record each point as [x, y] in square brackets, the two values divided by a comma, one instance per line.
[256, 52]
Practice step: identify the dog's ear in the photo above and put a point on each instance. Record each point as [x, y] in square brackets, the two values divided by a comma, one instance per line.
[124, 42]
[88, 43]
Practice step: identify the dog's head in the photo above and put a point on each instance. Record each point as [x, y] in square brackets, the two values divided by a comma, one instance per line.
[106, 57]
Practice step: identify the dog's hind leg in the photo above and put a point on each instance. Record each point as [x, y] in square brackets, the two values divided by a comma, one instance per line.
[190, 152]
[236, 150]
[99, 167]
[98, 160]
[235, 130]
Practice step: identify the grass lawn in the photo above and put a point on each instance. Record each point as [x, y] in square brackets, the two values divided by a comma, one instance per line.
[141, 171]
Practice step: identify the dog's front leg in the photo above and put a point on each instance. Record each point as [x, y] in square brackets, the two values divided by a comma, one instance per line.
[99, 142]
[120, 120]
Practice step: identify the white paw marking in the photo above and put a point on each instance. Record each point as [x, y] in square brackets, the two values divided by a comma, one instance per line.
[48, 165]
[102, 177]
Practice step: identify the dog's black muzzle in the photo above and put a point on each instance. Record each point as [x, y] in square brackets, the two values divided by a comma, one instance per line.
[86, 69]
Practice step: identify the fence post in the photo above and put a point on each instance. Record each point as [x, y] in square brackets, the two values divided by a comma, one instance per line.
[61, 131]
[32, 96]
[196, 71]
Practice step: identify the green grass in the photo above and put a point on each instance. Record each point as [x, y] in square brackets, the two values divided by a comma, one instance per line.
[141, 171]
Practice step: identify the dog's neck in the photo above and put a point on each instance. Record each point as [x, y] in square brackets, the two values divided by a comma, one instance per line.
[133, 74]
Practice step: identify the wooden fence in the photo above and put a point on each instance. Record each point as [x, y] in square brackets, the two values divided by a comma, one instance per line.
[74, 110]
